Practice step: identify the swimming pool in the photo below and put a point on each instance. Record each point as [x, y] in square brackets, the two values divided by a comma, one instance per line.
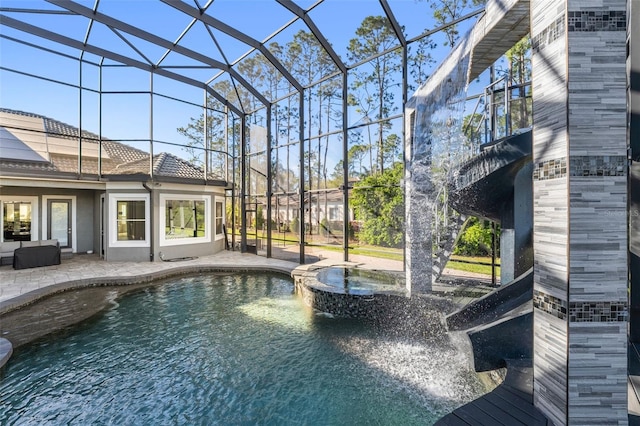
[361, 281]
[231, 349]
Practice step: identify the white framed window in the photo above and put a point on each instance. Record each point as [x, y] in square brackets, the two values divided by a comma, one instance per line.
[219, 217]
[184, 219]
[129, 220]
[19, 218]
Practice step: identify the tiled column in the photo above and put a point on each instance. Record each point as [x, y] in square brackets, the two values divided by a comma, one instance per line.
[633, 90]
[580, 205]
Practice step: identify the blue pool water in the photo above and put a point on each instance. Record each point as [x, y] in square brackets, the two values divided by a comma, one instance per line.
[230, 350]
[355, 280]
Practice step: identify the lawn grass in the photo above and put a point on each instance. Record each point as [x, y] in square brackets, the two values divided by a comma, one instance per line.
[384, 254]
[470, 267]
[457, 262]
[478, 259]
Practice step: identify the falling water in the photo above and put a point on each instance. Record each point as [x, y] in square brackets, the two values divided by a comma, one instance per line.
[438, 146]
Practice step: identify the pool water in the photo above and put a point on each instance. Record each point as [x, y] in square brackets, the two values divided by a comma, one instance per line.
[230, 349]
[355, 280]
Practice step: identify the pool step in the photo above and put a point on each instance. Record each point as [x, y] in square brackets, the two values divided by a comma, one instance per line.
[6, 349]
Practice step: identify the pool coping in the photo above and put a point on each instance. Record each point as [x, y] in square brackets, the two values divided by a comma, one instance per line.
[310, 277]
[41, 293]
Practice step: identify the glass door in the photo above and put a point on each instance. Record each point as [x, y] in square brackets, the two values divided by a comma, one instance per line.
[59, 226]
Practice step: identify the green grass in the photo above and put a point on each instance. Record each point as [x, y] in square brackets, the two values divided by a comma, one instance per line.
[469, 267]
[479, 259]
[392, 253]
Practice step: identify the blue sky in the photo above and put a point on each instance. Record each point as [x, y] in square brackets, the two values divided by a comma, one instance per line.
[126, 116]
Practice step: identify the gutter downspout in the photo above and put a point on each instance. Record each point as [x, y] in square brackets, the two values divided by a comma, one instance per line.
[151, 227]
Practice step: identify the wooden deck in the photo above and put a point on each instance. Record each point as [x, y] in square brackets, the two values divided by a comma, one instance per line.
[509, 404]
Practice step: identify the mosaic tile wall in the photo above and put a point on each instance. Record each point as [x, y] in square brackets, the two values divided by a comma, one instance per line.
[550, 218]
[549, 304]
[580, 198]
[549, 376]
[549, 34]
[598, 165]
[598, 311]
[597, 20]
[633, 93]
[550, 169]
[597, 188]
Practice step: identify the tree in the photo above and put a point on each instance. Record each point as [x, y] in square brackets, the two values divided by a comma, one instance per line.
[519, 71]
[378, 202]
[445, 11]
[217, 143]
[419, 61]
[475, 239]
[309, 63]
[473, 130]
[372, 94]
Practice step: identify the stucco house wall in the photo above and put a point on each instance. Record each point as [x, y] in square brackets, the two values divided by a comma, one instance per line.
[39, 164]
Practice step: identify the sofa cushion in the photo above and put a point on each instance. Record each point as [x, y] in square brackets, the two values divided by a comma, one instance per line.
[52, 242]
[7, 248]
[30, 244]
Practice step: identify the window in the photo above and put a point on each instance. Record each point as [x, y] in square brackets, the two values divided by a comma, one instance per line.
[16, 217]
[219, 218]
[19, 218]
[184, 219]
[334, 213]
[129, 220]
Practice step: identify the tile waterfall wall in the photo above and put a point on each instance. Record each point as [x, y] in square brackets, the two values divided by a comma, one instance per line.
[434, 146]
[633, 90]
[580, 221]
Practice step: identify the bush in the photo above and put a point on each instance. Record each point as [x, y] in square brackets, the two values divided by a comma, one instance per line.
[475, 239]
[295, 225]
[378, 202]
[325, 229]
[259, 218]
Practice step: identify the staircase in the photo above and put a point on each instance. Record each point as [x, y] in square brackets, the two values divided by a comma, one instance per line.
[446, 246]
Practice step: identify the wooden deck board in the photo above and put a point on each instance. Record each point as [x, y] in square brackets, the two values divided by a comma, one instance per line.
[501, 416]
[510, 404]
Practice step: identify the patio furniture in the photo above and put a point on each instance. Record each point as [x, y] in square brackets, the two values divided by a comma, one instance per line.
[33, 254]
[6, 251]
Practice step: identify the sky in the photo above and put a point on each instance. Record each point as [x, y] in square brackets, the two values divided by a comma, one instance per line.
[126, 117]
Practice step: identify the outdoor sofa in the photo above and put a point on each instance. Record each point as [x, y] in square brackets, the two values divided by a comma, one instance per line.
[31, 254]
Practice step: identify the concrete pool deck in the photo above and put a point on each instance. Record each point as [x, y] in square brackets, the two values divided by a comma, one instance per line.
[24, 286]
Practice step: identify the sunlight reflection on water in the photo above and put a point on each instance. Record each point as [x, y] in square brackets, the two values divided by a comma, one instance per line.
[235, 349]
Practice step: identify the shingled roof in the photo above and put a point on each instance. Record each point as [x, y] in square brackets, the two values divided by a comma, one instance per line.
[164, 164]
[119, 160]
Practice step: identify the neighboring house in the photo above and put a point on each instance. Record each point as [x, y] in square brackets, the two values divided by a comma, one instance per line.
[103, 196]
[325, 205]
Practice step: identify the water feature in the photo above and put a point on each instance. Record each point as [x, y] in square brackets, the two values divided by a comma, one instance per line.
[231, 349]
[361, 281]
[436, 146]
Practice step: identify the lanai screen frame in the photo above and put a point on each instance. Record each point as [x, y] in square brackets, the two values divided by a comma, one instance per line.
[231, 111]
